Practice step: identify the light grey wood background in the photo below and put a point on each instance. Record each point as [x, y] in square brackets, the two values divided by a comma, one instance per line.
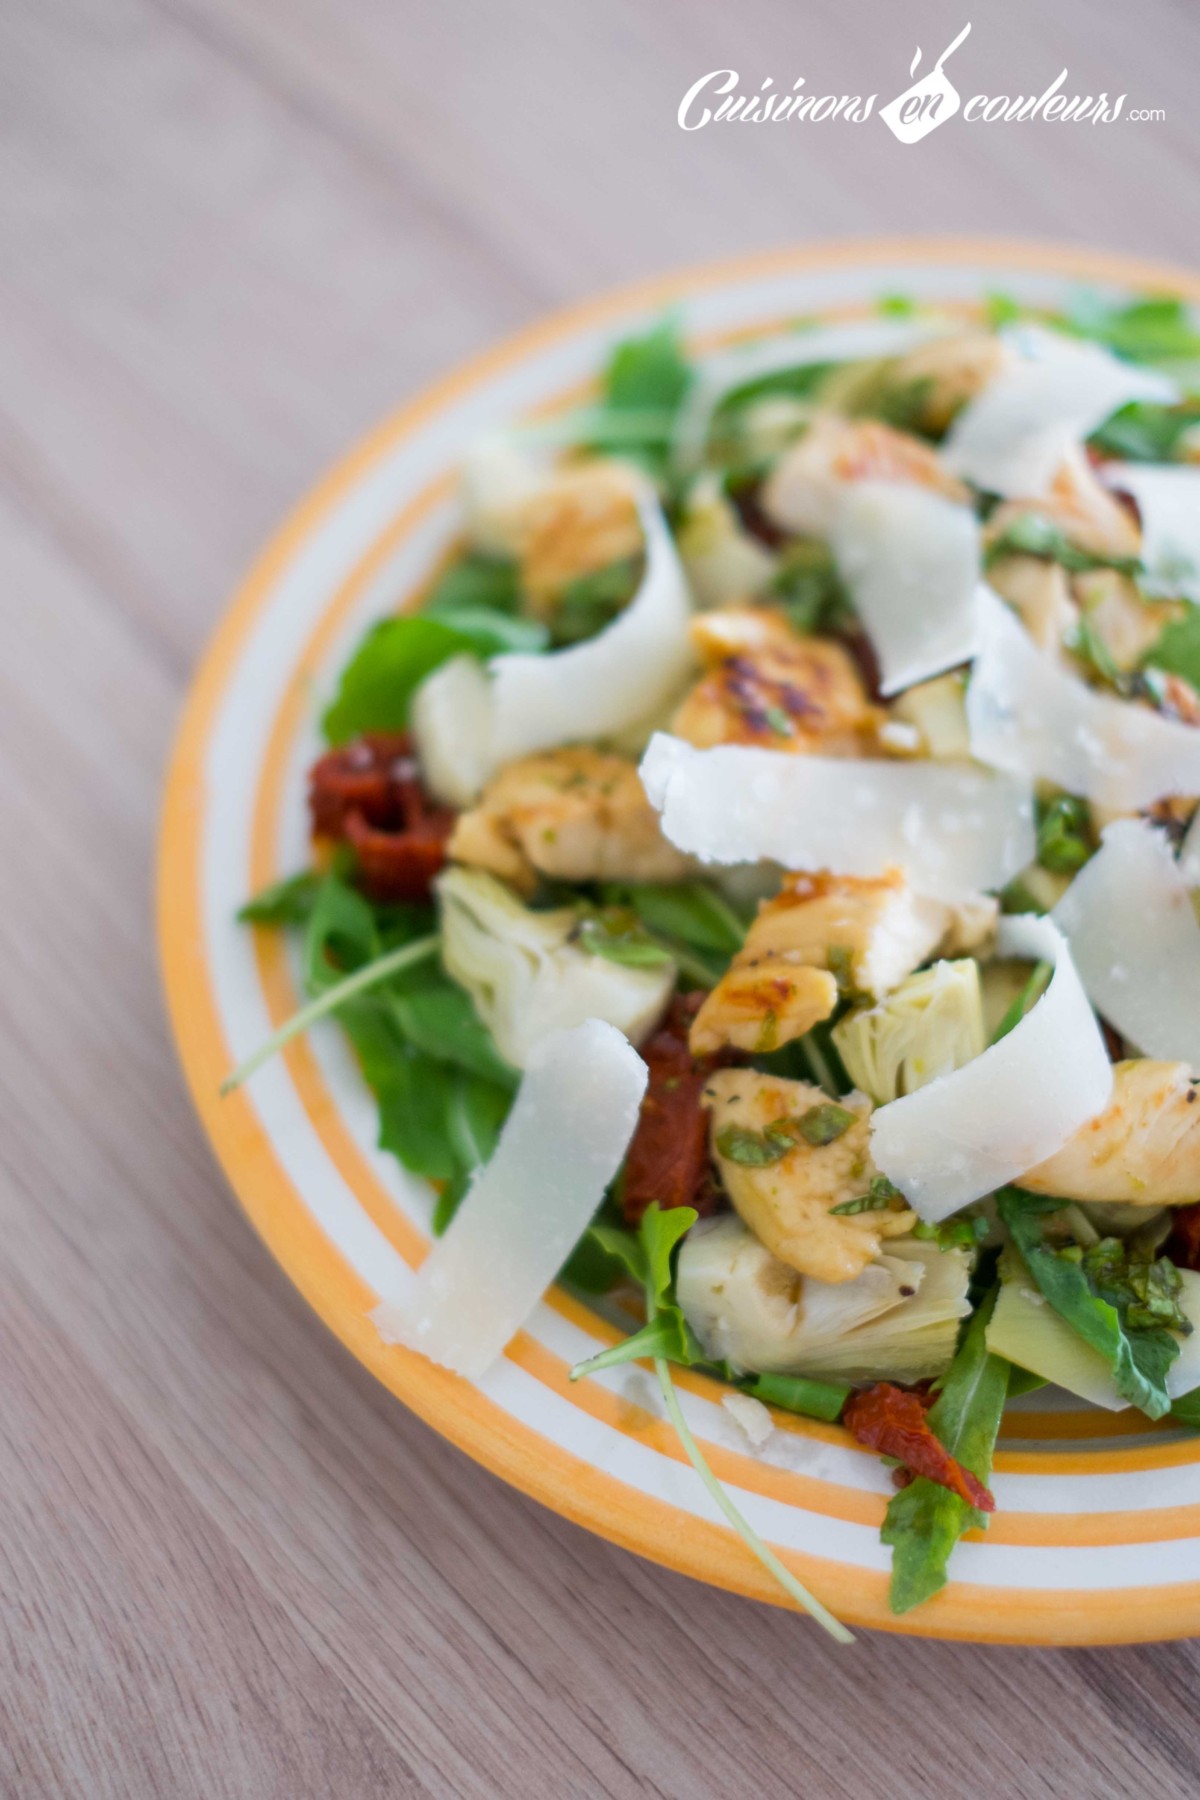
[235, 232]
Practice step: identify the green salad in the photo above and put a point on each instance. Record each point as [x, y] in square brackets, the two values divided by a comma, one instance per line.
[757, 878]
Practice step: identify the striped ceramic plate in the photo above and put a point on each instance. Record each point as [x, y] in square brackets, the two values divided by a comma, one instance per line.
[1097, 1534]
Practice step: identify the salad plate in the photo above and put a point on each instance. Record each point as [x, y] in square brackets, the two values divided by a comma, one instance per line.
[1095, 1536]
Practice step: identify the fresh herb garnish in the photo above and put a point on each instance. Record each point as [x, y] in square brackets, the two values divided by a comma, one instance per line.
[1105, 1311]
[882, 1195]
[964, 1232]
[824, 1124]
[756, 1149]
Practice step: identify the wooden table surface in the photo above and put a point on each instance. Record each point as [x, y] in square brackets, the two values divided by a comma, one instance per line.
[234, 233]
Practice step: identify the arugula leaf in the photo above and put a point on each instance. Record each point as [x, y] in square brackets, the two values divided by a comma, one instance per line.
[1064, 834]
[341, 935]
[287, 902]
[924, 1521]
[590, 602]
[644, 387]
[1155, 330]
[1031, 534]
[439, 1017]
[616, 935]
[1035, 987]
[808, 589]
[1146, 430]
[1187, 1409]
[690, 911]
[1139, 1356]
[1177, 651]
[397, 654]
[474, 580]
[475, 1110]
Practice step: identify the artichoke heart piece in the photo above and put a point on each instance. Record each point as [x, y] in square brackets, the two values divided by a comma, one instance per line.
[898, 1319]
[527, 973]
[785, 1185]
[930, 1025]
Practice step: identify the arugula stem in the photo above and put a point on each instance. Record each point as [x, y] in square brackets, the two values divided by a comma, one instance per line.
[686, 962]
[817, 1064]
[368, 976]
[744, 1529]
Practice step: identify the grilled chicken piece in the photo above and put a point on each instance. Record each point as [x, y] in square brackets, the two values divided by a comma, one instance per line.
[584, 518]
[762, 1004]
[871, 933]
[575, 814]
[801, 493]
[1086, 512]
[787, 1204]
[772, 687]
[1126, 624]
[951, 371]
[1143, 1149]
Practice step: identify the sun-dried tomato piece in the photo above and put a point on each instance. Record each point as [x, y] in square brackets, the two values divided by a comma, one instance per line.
[369, 794]
[1183, 1245]
[892, 1420]
[668, 1158]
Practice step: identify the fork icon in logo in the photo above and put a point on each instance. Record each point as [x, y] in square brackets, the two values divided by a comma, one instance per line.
[928, 103]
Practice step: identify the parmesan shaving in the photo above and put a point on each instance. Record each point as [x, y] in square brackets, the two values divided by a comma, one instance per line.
[1051, 393]
[468, 723]
[1134, 937]
[984, 1125]
[956, 829]
[854, 341]
[1029, 715]
[911, 561]
[1168, 500]
[614, 680]
[561, 1145]
[751, 1416]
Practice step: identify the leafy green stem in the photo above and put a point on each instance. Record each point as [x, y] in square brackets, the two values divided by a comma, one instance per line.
[333, 997]
[744, 1529]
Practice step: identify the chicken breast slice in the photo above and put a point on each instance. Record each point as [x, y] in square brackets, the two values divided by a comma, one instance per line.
[788, 1203]
[801, 493]
[582, 520]
[771, 687]
[1087, 513]
[820, 931]
[576, 815]
[1143, 1149]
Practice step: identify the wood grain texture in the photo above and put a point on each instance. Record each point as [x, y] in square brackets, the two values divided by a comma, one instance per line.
[233, 233]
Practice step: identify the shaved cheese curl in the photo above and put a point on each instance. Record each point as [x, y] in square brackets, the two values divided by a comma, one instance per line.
[853, 341]
[970, 1132]
[617, 679]
[1168, 502]
[1133, 934]
[574, 1115]
[911, 561]
[955, 828]
[1052, 392]
[1029, 715]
